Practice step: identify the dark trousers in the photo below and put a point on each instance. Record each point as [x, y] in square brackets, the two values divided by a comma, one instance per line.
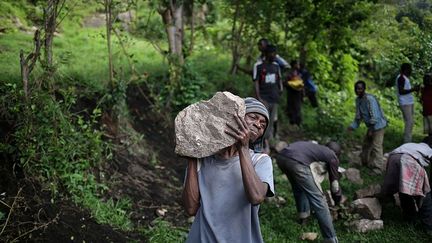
[294, 100]
[408, 205]
[312, 98]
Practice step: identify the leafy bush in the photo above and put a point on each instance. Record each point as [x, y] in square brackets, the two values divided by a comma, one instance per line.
[335, 114]
[189, 90]
[61, 148]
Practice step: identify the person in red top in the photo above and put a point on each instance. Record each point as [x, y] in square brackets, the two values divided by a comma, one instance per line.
[426, 100]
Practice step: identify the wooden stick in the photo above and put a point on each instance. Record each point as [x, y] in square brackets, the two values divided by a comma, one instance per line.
[10, 211]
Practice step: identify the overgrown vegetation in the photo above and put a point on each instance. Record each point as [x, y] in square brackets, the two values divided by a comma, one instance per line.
[61, 148]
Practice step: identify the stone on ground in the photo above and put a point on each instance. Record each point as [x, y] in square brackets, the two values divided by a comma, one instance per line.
[353, 175]
[310, 236]
[200, 127]
[370, 191]
[368, 208]
[365, 225]
[354, 157]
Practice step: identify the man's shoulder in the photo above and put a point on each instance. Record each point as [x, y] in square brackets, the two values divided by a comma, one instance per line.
[257, 157]
[401, 78]
[371, 97]
[258, 63]
[275, 63]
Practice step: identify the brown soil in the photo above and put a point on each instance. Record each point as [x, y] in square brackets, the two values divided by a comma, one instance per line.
[151, 179]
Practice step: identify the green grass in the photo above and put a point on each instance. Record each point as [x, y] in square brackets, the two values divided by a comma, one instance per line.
[80, 56]
[162, 231]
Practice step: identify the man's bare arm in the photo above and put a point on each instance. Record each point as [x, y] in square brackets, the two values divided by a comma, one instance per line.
[191, 195]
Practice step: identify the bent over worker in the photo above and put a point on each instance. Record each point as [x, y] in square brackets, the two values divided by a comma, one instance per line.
[406, 175]
[295, 160]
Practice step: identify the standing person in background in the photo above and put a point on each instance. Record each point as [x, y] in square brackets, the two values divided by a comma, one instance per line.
[262, 46]
[369, 110]
[426, 100]
[224, 190]
[294, 86]
[309, 85]
[263, 43]
[406, 99]
[296, 160]
[268, 88]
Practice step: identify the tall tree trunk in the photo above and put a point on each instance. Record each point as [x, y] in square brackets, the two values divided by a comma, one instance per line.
[192, 26]
[27, 63]
[235, 44]
[108, 18]
[172, 17]
[50, 19]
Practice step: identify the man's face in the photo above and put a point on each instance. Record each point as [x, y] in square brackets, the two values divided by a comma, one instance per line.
[262, 46]
[408, 72]
[256, 124]
[359, 90]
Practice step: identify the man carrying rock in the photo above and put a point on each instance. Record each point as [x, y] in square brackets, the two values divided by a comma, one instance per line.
[224, 190]
[369, 111]
[296, 161]
[406, 175]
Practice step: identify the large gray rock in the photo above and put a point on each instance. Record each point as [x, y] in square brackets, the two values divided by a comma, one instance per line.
[95, 21]
[368, 208]
[353, 175]
[370, 191]
[365, 225]
[354, 157]
[200, 127]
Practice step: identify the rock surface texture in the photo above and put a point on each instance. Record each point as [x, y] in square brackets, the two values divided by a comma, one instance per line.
[200, 127]
[365, 225]
[370, 191]
[353, 175]
[368, 208]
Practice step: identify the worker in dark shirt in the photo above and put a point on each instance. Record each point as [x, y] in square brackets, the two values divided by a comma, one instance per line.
[296, 160]
[268, 89]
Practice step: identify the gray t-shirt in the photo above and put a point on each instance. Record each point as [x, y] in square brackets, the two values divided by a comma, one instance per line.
[225, 214]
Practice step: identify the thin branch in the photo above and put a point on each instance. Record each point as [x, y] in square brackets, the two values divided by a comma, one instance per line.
[37, 228]
[159, 49]
[2, 202]
[66, 14]
[144, 95]
[117, 34]
[10, 211]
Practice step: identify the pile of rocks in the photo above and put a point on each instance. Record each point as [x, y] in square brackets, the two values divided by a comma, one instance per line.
[365, 205]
